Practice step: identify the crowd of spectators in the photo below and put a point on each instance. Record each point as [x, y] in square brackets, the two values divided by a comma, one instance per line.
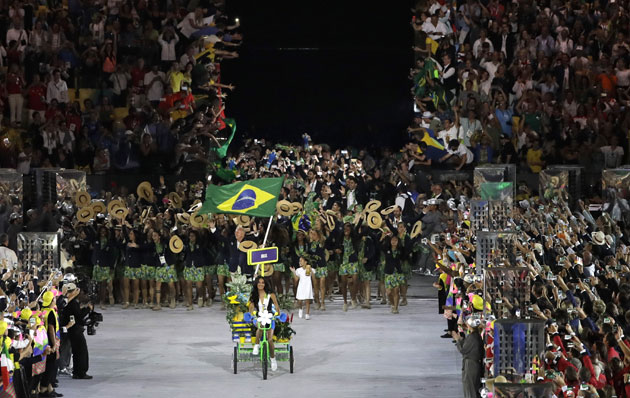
[525, 83]
[531, 83]
[109, 86]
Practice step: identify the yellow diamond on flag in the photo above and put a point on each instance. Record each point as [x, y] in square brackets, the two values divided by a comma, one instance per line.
[248, 198]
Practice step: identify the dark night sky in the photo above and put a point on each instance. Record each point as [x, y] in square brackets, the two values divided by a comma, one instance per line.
[337, 70]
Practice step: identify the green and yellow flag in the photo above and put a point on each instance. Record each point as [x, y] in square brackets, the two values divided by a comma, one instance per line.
[254, 197]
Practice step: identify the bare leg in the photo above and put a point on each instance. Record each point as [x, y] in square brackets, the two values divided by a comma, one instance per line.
[277, 282]
[221, 281]
[308, 307]
[200, 293]
[395, 298]
[295, 285]
[173, 293]
[367, 292]
[136, 291]
[343, 287]
[316, 282]
[158, 296]
[382, 293]
[146, 287]
[354, 287]
[125, 286]
[110, 289]
[403, 293]
[189, 294]
[322, 293]
[207, 284]
[272, 351]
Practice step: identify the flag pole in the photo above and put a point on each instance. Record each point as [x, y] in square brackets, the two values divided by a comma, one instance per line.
[263, 244]
[268, 229]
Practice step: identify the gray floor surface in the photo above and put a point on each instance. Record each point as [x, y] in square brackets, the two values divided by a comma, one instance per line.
[360, 353]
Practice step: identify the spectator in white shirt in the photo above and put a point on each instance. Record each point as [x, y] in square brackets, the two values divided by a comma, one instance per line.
[8, 258]
[57, 89]
[191, 22]
[458, 155]
[449, 133]
[545, 42]
[154, 84]
[188, 57]
[168, 39]
[613, 154]
[434, 28]
[24, 160]
[18, 34]
[483, 38]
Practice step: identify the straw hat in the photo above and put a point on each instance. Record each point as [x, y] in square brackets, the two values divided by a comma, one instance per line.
[388, 210]
[120, 212]
[268, 269]
[373, 205]
[175, 244]
[296, 207]
[197, 220]
[82, 199]
[284, 208]
[145, 191]
[184, 218]
[330, 221]
[374, 220]
[598, 238]
[195, 206]
[359, 218]
[85, 214]
[417, 229]
[176, 200]
[243, 220]
[247, 245]
[113, 205]
[98, 207]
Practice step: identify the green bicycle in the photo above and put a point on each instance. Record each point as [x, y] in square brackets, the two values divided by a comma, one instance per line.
[244, 351]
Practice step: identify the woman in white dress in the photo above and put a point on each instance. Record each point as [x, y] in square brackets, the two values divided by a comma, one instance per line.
[305, 286]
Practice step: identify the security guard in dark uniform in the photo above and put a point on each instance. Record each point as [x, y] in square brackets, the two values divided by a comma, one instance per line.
[73, 310]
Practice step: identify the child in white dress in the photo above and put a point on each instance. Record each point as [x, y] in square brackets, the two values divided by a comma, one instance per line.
[305, 286]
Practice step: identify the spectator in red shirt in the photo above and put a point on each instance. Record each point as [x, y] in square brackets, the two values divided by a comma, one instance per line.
[137, 74]
[36, 95]
[15, 86]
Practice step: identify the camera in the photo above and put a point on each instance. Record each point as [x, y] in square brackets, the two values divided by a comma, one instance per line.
[92, 321]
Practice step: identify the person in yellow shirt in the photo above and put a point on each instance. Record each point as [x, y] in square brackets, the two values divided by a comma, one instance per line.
[175, 77]
[535, 157]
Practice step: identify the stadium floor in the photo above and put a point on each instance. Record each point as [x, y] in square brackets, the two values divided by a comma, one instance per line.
[361, 353]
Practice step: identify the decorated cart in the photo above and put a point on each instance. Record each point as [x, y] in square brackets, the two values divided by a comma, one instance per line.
[243, 331]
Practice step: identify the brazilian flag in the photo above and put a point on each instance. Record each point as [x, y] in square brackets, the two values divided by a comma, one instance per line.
[254, 197]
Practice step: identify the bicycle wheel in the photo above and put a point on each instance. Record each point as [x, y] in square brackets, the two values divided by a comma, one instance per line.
[291, 359]
[265, 360]
[235, 360]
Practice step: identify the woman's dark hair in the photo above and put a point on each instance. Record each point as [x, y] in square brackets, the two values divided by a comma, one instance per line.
[268, 289]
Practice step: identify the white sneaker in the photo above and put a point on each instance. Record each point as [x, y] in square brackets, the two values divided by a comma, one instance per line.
[300, 312]
[256, 349]
[274, 364]
[307, 317]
